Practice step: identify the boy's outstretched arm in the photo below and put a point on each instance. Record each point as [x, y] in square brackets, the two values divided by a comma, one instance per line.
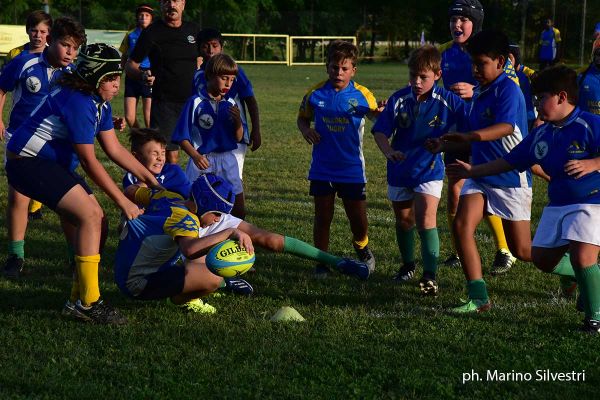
[255, 135]
[234, 113]
[197, 247]
[463, 170]
[491, 133]
[384, 145]
[309, 134]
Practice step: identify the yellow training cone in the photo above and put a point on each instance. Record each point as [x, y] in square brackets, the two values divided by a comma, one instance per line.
[287, 314]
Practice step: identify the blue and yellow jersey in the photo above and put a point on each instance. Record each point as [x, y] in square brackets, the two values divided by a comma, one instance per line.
[499, 102]
[23, 49]
[552, 146]
[148, 243]
[171, 178]
[589, 90]
[409, 123]
[339, 117]
[524, 75]
[128, 44]
[549, 39]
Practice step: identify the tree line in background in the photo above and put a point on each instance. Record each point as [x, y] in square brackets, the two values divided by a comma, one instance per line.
[395, 22]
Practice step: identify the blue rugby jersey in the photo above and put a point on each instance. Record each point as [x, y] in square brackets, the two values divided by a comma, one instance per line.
[147, 244]
[500, 102]
[523, 75]
[128, 44]
[241, 89]
[552, 146]
[30, 77]
[456, 65]
[339, 117]
[206, 124]
[64, 118]
[589, 90]
[409, 124]
[171, 178]
[549, 39]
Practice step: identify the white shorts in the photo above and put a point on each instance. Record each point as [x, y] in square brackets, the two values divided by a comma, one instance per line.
[560, 225]
[433, 188]
[511, 204]
[225, 165]
[227, 221]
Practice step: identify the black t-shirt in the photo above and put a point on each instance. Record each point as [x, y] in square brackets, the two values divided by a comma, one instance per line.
[173, 54]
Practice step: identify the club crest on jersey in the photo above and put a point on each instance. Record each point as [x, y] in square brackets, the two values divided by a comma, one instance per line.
[541, 149]
[403, 120]
[206, 121]
[352, 105]
[487, 113]
[436, 122]
[191, 39]
[33, 84]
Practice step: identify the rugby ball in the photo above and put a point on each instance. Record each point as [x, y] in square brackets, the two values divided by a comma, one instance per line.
[228, 260]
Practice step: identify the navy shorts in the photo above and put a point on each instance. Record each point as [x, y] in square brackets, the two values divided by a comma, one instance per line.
[43, 180]
[349, 191]
[164, 116]
[136, 88]
[163, 284]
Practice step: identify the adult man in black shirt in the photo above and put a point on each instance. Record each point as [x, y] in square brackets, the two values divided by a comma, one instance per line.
[172, 46]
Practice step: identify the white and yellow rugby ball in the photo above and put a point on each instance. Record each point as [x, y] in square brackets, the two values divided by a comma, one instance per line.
[228, 259]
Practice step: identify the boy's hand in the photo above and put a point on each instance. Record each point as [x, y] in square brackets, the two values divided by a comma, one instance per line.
[458, 170]
[119, 123]
[311, 136]
[381, 106]
[130, 209]
[462, 89]
[234, 113]
[434, 145]
[255, 138]
[456, 137]
[395, 156]
[147, 78]
[201, 161]
[580, 168]
[243, 239]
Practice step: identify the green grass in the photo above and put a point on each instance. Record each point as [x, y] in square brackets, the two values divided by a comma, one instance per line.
[372, 340]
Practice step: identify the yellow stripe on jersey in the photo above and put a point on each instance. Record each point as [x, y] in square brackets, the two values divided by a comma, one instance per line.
[13, 53]
[144, 195]
[445, 46]
[305, 108]
[509, 70]
[181, 223]
[124, 48]
[556, 35]
[528, 72]
[368, 96]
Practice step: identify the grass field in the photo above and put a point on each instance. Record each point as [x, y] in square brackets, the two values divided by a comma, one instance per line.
[361, 340]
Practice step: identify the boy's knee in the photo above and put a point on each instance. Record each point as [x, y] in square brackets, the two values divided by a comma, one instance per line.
[406, 224]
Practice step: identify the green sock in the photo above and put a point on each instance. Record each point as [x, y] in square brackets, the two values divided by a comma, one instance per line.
[222, 284]
[588, 279]
[17, 247]
[304, 250]
[564, 267]
[430, 251]
[477, 290]
[406, 244]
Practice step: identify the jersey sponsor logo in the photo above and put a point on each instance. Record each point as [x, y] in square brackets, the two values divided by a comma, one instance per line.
[541, 149]
[187, 223]
[576, 148]
[436, 122]
[191, 39]
[321, 103]
[206, 121]
[33, 84]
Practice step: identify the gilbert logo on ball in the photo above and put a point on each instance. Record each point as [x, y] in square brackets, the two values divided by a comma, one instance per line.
[228, 259]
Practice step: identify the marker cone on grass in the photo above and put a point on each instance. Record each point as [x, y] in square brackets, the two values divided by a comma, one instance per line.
[287, 314]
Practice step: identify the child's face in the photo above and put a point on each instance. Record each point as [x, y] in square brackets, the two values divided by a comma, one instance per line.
[63, 51]
[219, 85]
[109, 87]
[421, 82]
[210, 48]
[209, 218]
[461, 28]
[340, 73]
[152, 156]
[38, 35]
[144, 19]
[548, 107]
[487, 69]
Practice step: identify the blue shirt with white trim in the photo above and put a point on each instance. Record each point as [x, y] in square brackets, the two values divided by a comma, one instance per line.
[207, 124]
[64, 118]
[409, 123]
[171, 178]
[549, 39]
[339, 117]
[30, 77]
[589, 90]
[456, 65]
[499, 102]
[551, 146]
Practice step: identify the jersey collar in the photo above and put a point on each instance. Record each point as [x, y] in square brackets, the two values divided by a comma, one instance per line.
[572, 117]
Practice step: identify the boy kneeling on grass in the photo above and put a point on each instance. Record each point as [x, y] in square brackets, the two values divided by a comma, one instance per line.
[567, 240]
[149, 258]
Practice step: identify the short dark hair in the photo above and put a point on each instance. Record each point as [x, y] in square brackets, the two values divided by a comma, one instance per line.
[425, 58]
[556, 79]
[207, 34]
[221, 64]
[68, 27]
[340, 50]
[490, 43]
[144, 7]
[515, 50]
[36, 17]
[140, 136]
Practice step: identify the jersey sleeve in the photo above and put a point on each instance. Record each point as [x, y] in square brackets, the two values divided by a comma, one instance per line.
[176, 181]
[129, 180]
[385, 120]
[142, 46]
[80, 120]
[185, 123]
[145, 195]
[181, 222]
[106, 122]
[124, 47]
[520, 156]
[507, 107]
[370, 102]
[306, 110]
[10, 75]
[244, 85]
[557, 35]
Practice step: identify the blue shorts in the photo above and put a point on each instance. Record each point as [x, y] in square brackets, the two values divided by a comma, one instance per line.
[136, 88]
[163, 284]
[43, 180]
[349, 191]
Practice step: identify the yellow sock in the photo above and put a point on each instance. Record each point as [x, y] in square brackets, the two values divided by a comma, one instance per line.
[495, 224]
[450, 222]
[361, 244]
[34, 205]
[87, 271]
